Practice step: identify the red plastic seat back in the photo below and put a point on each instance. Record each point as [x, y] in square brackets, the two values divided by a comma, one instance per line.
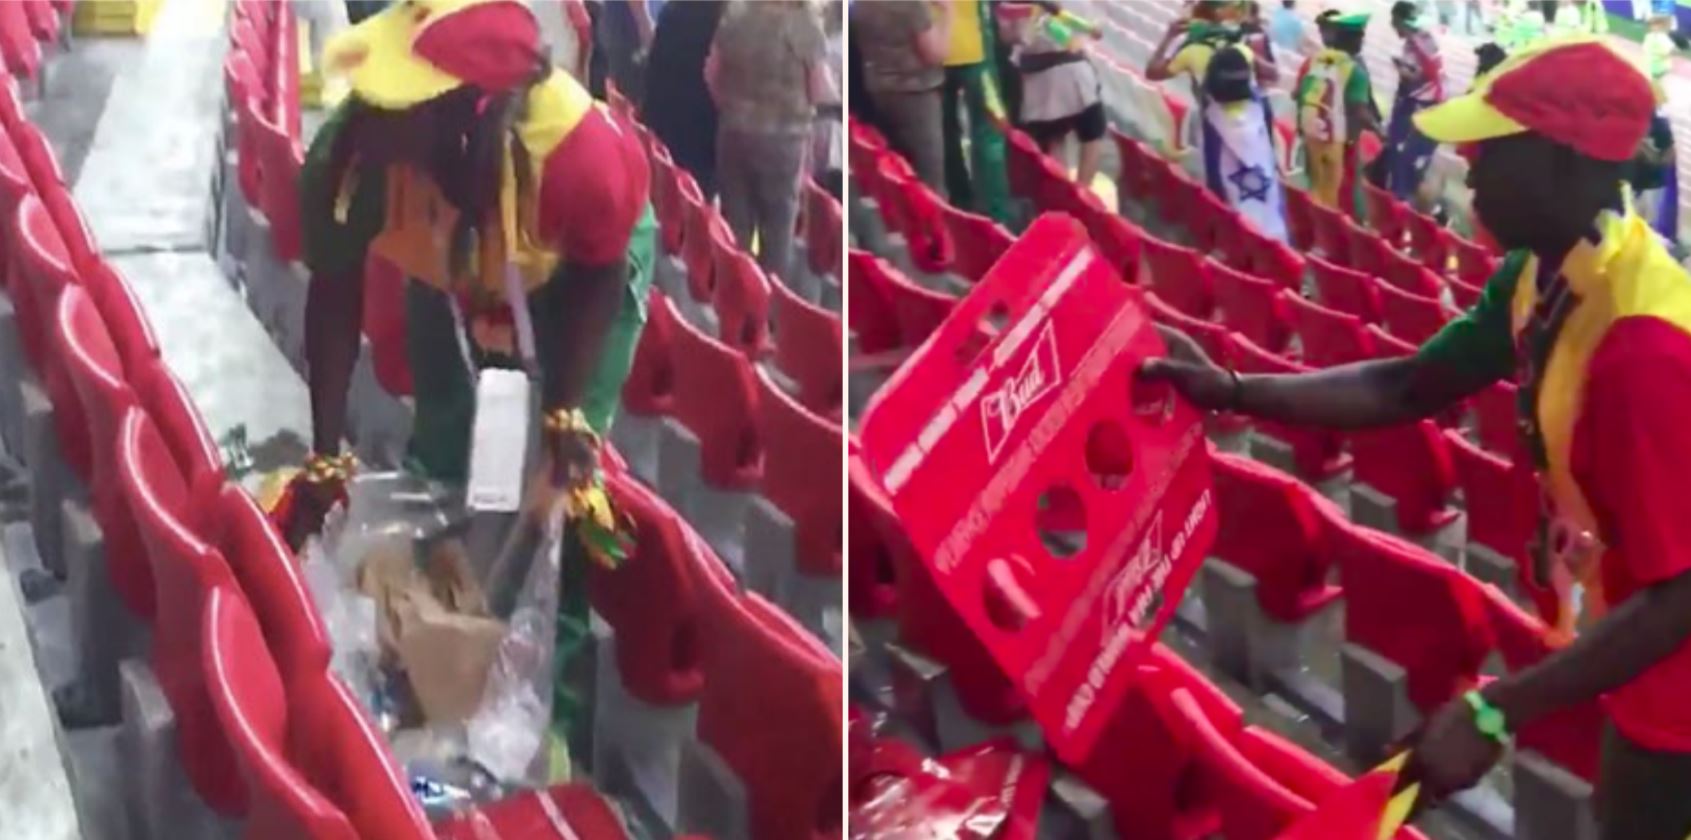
[916, 310]
[809, 342]
[1475, 263]
[72, 227]
[1502, 505]
[649, 389]
[1430, 242]
[1212, 221]
[280, 159]
[771, 695]
[1414, 609]
[1215, 339]
[667, 203]
[191, 447]
[1571, 737]
[1155, 789]
[1385, 213]
[823, 224]
[1408, 274]
[801, 476]
[271, 581]
[1328, 337]
[741, 298]
[1119, 240]
[18, 45]
[1253, 805]
[334, 745]
[1331, 237]
[185, 569]
[716, 399]
[652, 602]
[1300, 218]
[1411, 466]
[912, 209]
[1289, 764]
[1269, 528]
[1367, 252]
[46, 273]
[1495, 413]
[697, 248]
[1132, 180]
[247, 698]
[1346, 290]
[880, 552]
[130, 330]
[1251, 306]
[587, 813]
[868, 310]
[1180, 276]
[1274, 260]
[1410, 317]
[977, 241]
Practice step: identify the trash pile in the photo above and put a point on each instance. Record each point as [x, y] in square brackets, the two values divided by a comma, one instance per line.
[443, 620]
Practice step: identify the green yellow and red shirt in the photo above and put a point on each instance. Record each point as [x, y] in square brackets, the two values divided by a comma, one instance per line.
[1613, 396]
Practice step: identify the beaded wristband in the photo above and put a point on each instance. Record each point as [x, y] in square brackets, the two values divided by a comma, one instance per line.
[325, 469]
[561, 420]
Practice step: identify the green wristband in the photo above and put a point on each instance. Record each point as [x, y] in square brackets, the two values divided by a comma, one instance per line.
[1488, 719]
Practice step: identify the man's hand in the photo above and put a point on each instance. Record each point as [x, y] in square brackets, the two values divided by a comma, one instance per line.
[1451, 754]
[1176, 28]
[1191, 373]
[575, 458]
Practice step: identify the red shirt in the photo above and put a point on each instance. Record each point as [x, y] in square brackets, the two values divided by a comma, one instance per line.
[593, 190]
[1631, 454]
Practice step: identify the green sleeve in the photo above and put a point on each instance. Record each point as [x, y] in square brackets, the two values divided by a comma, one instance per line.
[1359, 90]
[331, 246]
[1481, 340]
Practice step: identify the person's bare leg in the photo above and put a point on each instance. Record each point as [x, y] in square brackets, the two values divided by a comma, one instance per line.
[1091, 152]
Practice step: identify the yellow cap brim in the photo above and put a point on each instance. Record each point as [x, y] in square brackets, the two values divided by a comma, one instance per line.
[1465, 119]
[376, 59]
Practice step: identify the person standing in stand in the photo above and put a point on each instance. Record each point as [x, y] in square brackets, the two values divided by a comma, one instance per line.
[1335, 102]
[1420, 85]
[976, 172]
[1592, 317]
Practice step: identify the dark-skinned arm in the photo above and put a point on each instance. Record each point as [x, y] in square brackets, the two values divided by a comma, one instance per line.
[1640, 632]
[581, 302]
[1386, 392]
[1157, 69]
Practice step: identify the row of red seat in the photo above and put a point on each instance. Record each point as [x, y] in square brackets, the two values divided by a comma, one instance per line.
[24, 27]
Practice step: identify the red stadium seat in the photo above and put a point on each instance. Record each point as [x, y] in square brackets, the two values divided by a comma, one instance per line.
[191, 446]
[1300, 218]
[1276, 261]
[247, 698]
[650, 388]
[1318, 453]
[1250, 306]
[46, 272]
[185, 570]
[1414, 609]
[1464, 295]
[14, 185]
[1409, 275]
[1386, 345]
[1570, 738]
[280, 160]
[1410, 465]
[912, 209]
[96, 373]
[1289, 764]
[976, 242]
[1269, 528]
[793, 787]
[1133, 180]
[1213, 222]
[18, 45]
[916, 310]
[1214, 338]
[131, 332]
[587, 813]
[1474, 263]
[1502, 504]
[1119, 241]
[878, 548]
[824, 226]
[1385, 214]
[1328, 337]
[741, 297]
[1180, 276]
[336, 747]
[1348, 291]
[1328, 226]
[667, 203]
[716, 399]
[703, 226]
[801, 476]
[1410, 317]
[1495, 413]
[808, 347]
[43, 21]
[869, 312]
[1428, 240]
[1367, 252]
[1253, 805]
[652, 602]
[270, 579]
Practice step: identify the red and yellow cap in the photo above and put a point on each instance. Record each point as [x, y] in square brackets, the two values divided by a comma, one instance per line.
[1579, 92]
[416, 50]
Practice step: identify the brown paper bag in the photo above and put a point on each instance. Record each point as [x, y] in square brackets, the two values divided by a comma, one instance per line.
[385, 574]
[446, 655]
[447, 567]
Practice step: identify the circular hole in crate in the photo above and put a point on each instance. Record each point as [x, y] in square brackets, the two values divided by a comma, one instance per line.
[1060, 520]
